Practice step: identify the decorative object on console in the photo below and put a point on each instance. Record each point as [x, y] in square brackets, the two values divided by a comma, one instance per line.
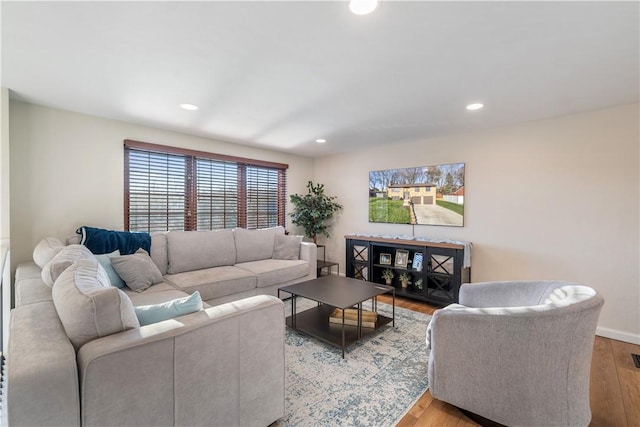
[417, 261]
[312, 210]
[402, 257]
[427, 195]
[388, 275]
[385, 259]
[405, 279]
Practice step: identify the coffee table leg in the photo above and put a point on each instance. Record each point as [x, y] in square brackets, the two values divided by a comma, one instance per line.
[293, 311]
[394, 309]
[359, 320]
[343, 333]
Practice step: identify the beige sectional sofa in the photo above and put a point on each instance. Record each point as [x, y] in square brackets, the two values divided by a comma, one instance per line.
[222, 365]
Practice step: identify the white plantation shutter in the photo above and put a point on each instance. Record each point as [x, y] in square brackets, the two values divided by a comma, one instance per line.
[170, 188]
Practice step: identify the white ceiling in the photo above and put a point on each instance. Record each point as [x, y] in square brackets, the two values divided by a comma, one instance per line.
[280, 74]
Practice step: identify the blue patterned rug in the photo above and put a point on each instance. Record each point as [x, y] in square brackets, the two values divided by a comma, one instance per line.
[380, 379]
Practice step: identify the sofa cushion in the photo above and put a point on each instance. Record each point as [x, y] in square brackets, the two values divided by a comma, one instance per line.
[273, 271]
[46, 249]
[154, 313]
[63, 259]
[30, 291]
[105, 261]
[253, 245]
[195, 250]
[88, 306]
[137, 270]
[287, 247]
[158, 250]
[28, 270]
[213, 282]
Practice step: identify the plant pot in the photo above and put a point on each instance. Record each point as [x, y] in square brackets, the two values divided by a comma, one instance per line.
[404, 285]
[389, 282]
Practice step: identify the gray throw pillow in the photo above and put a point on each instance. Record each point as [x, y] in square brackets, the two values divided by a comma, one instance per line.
[137, 270]
[287, 247]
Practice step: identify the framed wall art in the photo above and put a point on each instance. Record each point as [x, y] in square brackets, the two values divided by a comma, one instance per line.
[424, 195]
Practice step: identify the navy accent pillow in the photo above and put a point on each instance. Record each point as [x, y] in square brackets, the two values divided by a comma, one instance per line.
[101, 241]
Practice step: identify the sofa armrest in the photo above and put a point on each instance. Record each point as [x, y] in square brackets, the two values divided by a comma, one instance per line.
[220, 366]
[41, 368]
[309, 253]
[502, 294]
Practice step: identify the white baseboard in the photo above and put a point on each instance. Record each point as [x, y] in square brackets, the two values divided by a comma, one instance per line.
[618, 335]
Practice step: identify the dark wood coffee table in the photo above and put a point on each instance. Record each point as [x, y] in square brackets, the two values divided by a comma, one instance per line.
[336, 292]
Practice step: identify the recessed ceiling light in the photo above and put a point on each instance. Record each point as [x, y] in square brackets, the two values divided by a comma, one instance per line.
[476, 106]
[321, 141]
[189, 107]
[363, 7]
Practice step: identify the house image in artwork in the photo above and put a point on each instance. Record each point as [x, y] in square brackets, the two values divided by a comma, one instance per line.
[455, 197]
[418, 194]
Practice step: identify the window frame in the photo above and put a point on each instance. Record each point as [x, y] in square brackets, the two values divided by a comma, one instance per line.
[190, 190]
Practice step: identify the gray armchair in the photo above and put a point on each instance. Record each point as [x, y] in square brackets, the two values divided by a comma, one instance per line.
[518, 353]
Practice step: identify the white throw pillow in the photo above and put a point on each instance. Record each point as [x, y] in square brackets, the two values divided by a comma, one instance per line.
[63, 259]
[88, 306]
[46, 250]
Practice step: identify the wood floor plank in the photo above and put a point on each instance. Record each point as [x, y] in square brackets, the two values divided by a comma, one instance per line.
[607, 408]
[629, 379]
[416, 411]
[439, 414]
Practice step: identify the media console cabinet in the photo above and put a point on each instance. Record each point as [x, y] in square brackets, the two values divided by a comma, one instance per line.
[436, 278]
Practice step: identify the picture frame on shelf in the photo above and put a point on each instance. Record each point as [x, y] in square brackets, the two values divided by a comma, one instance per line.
[417, 261]
[402, 258]
[385, 259]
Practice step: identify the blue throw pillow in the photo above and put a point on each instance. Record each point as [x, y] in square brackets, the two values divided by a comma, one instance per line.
[154, 313]
[105, 260]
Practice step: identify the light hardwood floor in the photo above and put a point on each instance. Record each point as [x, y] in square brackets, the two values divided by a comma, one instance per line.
[615, 387]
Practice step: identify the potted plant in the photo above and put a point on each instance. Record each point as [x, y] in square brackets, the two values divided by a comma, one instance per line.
[404, 279]
[312, 210]
[387, 275]
[418, 284]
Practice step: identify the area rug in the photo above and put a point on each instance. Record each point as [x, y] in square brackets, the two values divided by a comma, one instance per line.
[380, 379]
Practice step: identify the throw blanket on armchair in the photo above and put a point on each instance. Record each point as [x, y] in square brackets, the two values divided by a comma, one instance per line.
[101, 241]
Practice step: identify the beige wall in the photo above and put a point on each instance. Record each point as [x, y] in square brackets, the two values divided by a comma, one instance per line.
[67, 171]
[554, 199]
[4, 164]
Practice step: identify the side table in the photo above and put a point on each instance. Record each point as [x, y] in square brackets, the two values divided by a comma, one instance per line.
[328, 265]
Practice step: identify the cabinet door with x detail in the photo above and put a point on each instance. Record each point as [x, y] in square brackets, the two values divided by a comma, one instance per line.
[443, 274]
